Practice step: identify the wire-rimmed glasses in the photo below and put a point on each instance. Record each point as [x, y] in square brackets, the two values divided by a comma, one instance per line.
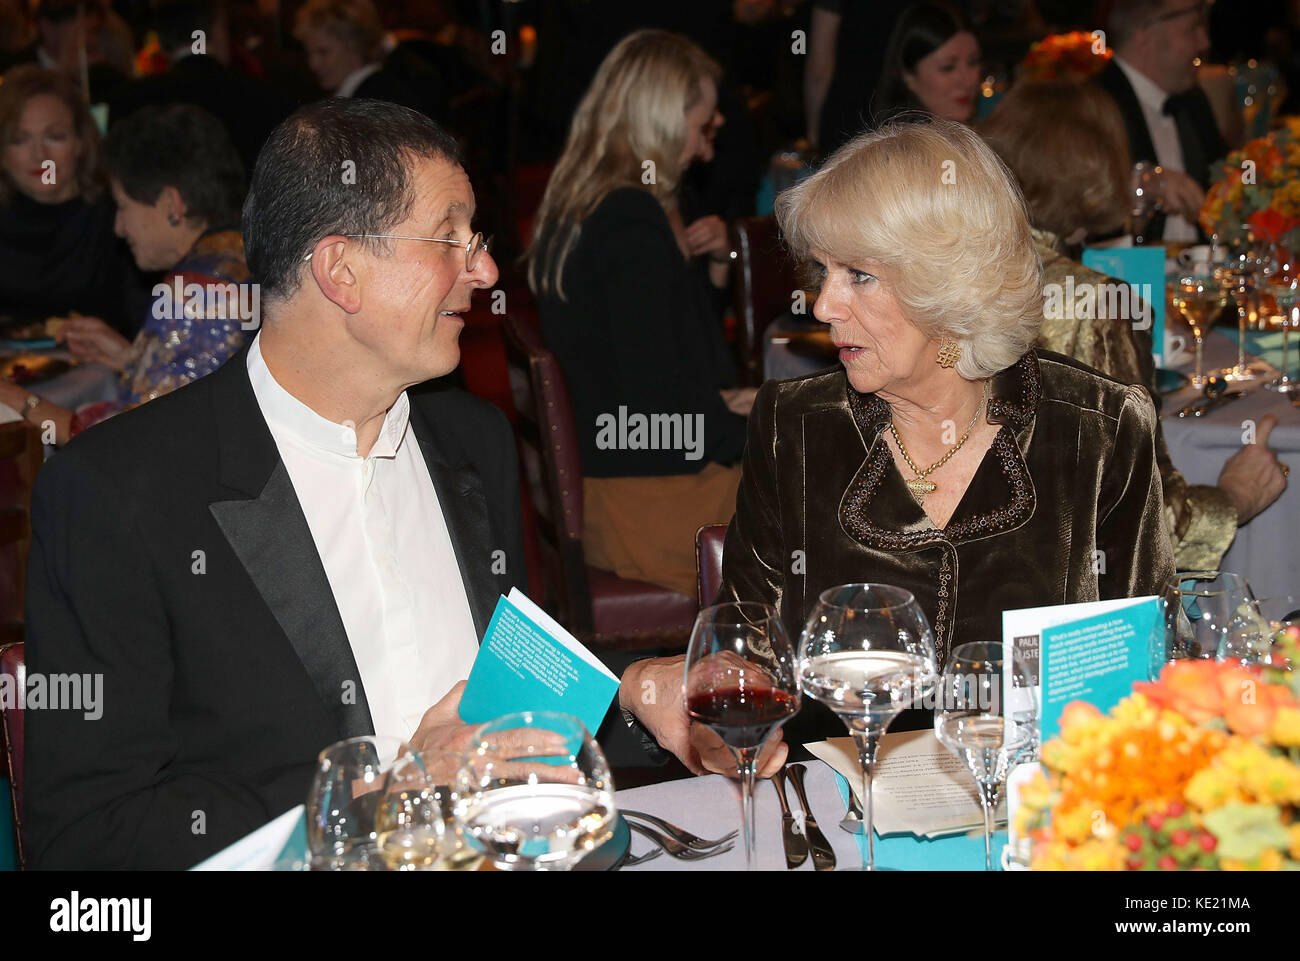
[475, 247]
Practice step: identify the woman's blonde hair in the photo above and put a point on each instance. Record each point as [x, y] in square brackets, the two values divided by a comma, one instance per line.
[19, 85]
[628, 131]
[936, 207]
[1066, 144]
[354, 23]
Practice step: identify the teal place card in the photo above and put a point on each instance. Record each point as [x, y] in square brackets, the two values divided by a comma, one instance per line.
[528, 662]
[1140, 299]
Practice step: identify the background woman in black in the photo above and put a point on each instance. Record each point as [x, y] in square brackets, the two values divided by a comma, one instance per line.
[630, 319]
[57, 245]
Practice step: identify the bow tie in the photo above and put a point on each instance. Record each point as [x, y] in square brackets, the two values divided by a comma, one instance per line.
[1173, 103]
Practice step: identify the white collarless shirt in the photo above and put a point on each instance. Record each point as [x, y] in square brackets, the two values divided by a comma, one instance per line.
[387, 553]
[1164, 137]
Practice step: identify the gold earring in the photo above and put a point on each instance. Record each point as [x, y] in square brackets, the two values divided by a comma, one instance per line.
[949, 353]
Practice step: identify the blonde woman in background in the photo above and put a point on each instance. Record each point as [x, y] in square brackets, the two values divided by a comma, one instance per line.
[629, 316]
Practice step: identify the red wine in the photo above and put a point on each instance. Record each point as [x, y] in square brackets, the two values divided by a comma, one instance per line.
[742, 717]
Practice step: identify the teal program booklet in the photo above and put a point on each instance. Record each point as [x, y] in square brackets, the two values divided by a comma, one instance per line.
[1090, 652]
[528, 662]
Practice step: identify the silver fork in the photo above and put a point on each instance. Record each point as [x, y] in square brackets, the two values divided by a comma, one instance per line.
[693, 841]
[852, 820]
[676, 848]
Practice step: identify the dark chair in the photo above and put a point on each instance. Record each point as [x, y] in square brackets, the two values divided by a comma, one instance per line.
[21, 455]
[597, 606]
[763, 283]
[708, 562]
[12, 663]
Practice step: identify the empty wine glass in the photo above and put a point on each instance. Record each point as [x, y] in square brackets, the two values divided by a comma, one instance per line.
[534, 792]
[867, 653]
[1285, 287]
[1241, 279]
[1146, 187]
[415, 824]
[741, 683]
[341, 805]
[1209, 614]
[973, 720]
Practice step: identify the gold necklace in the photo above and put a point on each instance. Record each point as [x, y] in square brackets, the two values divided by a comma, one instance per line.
[919, 486]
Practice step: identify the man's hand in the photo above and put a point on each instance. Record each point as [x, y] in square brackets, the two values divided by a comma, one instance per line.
[1180, 194]
[708, 235]
[92, 341]
[1252, 477]
[652, 690]
[441, 728]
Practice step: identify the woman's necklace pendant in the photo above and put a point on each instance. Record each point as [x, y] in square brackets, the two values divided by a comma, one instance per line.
[919, 488]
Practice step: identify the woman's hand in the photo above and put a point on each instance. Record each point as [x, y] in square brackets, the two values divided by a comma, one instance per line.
[1252, 477]
[652, 690]
[708, 235]
[90, 340]
[739, 400]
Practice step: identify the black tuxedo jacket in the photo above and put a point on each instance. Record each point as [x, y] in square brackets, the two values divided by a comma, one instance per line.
[170, 555]
[1198, 131]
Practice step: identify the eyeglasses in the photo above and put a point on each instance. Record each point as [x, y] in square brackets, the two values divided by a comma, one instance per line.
[475, 247]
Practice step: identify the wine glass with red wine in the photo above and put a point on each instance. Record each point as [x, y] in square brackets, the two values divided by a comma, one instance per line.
[741, 683]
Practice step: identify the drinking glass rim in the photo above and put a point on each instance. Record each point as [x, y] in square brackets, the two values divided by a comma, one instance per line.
[906, 599]
[1174, 583]
[769, 610]
[1000, 660]
[401, 743]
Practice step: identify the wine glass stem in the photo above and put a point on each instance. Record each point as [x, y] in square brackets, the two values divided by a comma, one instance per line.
[867, 740]
[1241, 337]
[746, 759]
[1286, 329]
[989, 796]
[1200, 350]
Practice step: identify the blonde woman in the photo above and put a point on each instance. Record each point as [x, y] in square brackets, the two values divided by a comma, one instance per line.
[949, 456]
[629, 316]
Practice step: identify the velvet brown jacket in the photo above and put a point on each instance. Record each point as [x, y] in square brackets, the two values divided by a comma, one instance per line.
[1065, 507]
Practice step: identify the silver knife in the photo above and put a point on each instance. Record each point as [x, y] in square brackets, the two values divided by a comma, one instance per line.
[1218, 402]
[795, 844]
[823, 856]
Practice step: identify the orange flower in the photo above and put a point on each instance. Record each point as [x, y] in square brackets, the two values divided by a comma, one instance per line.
[1202, 690]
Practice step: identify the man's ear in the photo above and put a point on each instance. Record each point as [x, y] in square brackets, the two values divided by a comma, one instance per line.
[332, 270]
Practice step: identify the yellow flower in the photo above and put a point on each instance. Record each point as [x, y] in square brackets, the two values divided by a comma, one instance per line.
[1270, 860]
[1293, 834]
[1212, 788]
[1076, 823]
[1286, 723]
[1274, 780]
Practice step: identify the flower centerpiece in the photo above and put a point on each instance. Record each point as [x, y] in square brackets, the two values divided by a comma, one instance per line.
[1199, 769]
[1257, 196]
[1065, 56]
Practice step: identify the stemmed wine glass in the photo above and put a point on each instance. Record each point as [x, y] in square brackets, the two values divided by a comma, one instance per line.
[1146, 186]
[1209, 614]
[1240, 279]
[741, 683]
[975, 721]
[344, 797]
[1199, 300]
[1285, 287]
[534, 792]
[867, 653]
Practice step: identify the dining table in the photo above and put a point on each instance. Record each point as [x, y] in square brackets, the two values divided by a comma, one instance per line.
[709, 806]
[1266, 551]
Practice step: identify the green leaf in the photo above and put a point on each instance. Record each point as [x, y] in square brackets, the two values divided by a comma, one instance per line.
[1246, 831]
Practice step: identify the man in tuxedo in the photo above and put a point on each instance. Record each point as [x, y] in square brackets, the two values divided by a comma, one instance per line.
[1152, 79]
[304, 546]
